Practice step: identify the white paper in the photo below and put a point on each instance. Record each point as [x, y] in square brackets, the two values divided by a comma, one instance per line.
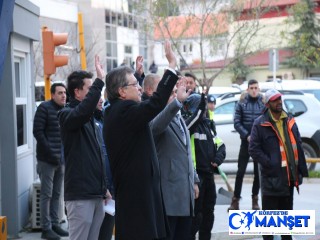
[110, 207]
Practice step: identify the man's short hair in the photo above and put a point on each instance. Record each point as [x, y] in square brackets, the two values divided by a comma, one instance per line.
[252, 81]
[116, 79]
[188, 74]
[75, 80]
[149, 80]
[55, 85]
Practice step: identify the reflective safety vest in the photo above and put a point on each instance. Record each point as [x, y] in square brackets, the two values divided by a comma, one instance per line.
[284, 158]
[211, 114]
[217, 142]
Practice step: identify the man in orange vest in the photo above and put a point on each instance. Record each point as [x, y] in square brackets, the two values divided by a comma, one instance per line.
[276, 145]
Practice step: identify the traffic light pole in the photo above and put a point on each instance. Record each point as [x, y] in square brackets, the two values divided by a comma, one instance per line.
[81, 42]
[47, 86]
[51, 61]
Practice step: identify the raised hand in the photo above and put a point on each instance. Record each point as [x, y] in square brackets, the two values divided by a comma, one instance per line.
[170, 55]
[99, 68]
[139, 65]
[181, 90]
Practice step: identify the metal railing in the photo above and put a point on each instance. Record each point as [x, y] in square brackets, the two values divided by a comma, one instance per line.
[313, 160]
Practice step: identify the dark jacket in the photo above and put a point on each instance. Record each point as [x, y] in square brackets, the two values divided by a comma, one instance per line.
[98, 119]
[245, 114]
[202, 132]
[85, 168]
[144, 96]
[47, 132]
[206, 151]
[264, 148]
[140, 212]
[139, 78]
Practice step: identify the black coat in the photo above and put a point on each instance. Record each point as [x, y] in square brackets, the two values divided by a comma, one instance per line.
[140, 212]
[264, 148]
[47, 132]
[85, 167]
[246, 112]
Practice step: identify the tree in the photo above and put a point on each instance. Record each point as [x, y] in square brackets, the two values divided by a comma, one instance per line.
[304, 42]
[213, 27]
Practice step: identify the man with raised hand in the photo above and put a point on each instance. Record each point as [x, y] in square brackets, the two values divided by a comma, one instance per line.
[140, 213]
[85, 183]
[178, 176]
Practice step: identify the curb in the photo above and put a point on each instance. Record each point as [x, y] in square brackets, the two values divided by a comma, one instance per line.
[226, 236]
[249, 179]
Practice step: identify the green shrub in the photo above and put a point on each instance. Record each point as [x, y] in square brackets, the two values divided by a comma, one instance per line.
[314, 174]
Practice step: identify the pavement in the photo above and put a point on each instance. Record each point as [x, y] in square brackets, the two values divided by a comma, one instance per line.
[308, 199]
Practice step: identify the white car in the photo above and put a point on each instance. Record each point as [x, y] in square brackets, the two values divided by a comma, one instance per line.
[304, 107]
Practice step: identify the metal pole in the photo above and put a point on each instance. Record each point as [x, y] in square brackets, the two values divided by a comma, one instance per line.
[47, 86]
[47, 83]
[81, 42]
[274, 67]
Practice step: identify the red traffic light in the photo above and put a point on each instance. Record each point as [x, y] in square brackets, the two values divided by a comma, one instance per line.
[49, 41]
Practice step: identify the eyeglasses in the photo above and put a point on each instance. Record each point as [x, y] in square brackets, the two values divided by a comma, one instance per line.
[136, 84]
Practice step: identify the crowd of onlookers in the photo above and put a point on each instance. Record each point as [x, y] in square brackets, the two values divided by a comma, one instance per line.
[152, 146]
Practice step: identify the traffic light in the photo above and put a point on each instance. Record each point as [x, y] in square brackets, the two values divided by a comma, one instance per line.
[49, 41]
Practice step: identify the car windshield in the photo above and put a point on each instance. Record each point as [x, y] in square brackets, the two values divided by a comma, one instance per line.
[315, 92]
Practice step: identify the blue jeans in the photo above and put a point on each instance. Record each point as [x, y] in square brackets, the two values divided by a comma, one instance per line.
[51, 178]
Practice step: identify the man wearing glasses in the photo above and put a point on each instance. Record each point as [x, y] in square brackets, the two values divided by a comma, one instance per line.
[140, 212]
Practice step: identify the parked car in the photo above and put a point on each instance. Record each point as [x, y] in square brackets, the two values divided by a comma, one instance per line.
[306, 86]
[219, 91]
[304, 107]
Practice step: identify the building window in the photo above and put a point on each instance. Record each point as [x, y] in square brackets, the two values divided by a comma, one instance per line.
[23, 102]
[187, 48]
[128, 49]
[219, 47]
[112, 47]
[128, 55]
[143, 49]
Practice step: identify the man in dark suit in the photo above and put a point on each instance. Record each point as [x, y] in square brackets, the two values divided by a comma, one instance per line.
[140, 213]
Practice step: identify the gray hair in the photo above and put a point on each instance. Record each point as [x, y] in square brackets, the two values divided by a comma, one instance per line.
[116, 79]
[149, 80]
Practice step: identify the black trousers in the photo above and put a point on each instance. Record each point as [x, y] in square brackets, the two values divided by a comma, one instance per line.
[243, 160]
[106, 228]
[179, 227]
[204, 208]
[278, 203]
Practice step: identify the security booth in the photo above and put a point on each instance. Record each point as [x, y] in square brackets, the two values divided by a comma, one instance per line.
[20, 27]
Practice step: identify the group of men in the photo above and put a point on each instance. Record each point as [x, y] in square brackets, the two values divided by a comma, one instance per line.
[162, 150]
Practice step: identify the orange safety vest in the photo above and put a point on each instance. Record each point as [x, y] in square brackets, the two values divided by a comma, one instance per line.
[284, 159]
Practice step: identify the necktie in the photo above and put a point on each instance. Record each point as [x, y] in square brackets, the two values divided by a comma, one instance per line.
[183, 134]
